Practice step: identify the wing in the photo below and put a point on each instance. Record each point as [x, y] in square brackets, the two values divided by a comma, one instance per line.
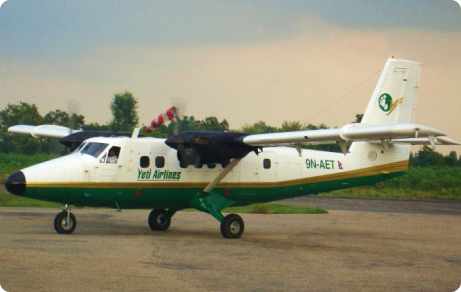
[200, 147]
[393, 133]
[51, 131]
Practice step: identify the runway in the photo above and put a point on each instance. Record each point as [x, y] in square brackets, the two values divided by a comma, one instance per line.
[339, 251]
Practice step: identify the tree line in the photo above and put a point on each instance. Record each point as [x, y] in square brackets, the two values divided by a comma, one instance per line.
[125, 117]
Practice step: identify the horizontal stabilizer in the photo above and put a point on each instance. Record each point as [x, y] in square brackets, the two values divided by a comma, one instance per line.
[50, 131]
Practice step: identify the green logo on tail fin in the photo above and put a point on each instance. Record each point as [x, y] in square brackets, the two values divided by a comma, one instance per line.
[386, 104]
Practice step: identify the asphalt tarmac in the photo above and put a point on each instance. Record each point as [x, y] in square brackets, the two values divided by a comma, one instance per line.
[359, 250]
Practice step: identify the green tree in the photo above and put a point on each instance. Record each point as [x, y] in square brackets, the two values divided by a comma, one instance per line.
[20, 114]
[258, 128]
[56, 117]
[188, 123]
[124, 111]
[95, 127]
[62, 118]
[316, 127]
[213, 124]
[291, 126]
[451, 159]
[428, 157]
[77, 122]
[358, 118]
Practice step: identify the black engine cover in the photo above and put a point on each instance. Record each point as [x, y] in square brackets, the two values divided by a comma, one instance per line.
[203, 147]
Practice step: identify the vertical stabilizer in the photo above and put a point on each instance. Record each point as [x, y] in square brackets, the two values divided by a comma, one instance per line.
[394, 98]
[393, 102]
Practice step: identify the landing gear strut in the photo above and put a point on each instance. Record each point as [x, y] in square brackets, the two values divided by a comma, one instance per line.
[65, 222]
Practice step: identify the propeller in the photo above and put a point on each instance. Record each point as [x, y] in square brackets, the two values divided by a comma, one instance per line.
[73, 107]
[181, 105]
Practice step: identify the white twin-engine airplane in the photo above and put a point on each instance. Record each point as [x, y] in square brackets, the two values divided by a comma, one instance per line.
[210, 171]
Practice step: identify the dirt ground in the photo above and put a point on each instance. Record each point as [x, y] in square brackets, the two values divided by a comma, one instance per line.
[339, 251]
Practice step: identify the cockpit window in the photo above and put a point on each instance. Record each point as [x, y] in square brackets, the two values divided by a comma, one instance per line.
[80, 147]
[94, 149]
[112, 156]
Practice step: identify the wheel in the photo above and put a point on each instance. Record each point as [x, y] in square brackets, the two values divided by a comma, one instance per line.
[157, 221]
[64, 226]
[232, 226]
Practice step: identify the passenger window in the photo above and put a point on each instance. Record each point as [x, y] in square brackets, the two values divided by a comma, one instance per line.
[144, 161]
[159, 161]
[267, 163]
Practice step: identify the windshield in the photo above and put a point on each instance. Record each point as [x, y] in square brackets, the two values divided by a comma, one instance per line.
[80, 147]
[94, 149]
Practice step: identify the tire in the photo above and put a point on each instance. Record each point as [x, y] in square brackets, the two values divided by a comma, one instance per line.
[62, 226]
[157, 222]
[232, 226]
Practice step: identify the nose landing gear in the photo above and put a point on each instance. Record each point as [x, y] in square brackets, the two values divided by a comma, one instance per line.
[65, 222]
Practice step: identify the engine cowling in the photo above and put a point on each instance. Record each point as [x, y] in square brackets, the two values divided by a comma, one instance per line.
[203, 147]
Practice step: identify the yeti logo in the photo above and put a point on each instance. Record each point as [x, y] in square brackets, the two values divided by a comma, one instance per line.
[386, 104]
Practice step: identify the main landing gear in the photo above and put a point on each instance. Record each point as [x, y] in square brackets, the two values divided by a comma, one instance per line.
[232, 225]
[160, 219]
[65, 222]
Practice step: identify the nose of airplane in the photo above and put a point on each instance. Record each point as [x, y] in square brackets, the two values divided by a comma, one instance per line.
[16, 183]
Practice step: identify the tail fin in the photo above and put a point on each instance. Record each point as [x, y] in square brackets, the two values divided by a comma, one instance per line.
[393, 102]
[394, 98]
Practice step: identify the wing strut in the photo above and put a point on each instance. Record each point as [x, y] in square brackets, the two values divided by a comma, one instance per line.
[210, 202]
[222, 175]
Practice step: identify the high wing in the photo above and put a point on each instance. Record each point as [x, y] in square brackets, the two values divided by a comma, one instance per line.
[73, 138]
[200, 147]
[67, 137]
[414, 134]
[42, 131]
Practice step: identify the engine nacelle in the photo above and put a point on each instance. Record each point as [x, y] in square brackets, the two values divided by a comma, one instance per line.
[198, 148]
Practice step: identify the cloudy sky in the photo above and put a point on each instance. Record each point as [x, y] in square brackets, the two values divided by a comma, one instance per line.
[244, 61]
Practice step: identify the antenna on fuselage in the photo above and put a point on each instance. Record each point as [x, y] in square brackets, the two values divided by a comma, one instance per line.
[135, 133]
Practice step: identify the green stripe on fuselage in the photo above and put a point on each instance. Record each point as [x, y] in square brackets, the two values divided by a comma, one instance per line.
[177, 195]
